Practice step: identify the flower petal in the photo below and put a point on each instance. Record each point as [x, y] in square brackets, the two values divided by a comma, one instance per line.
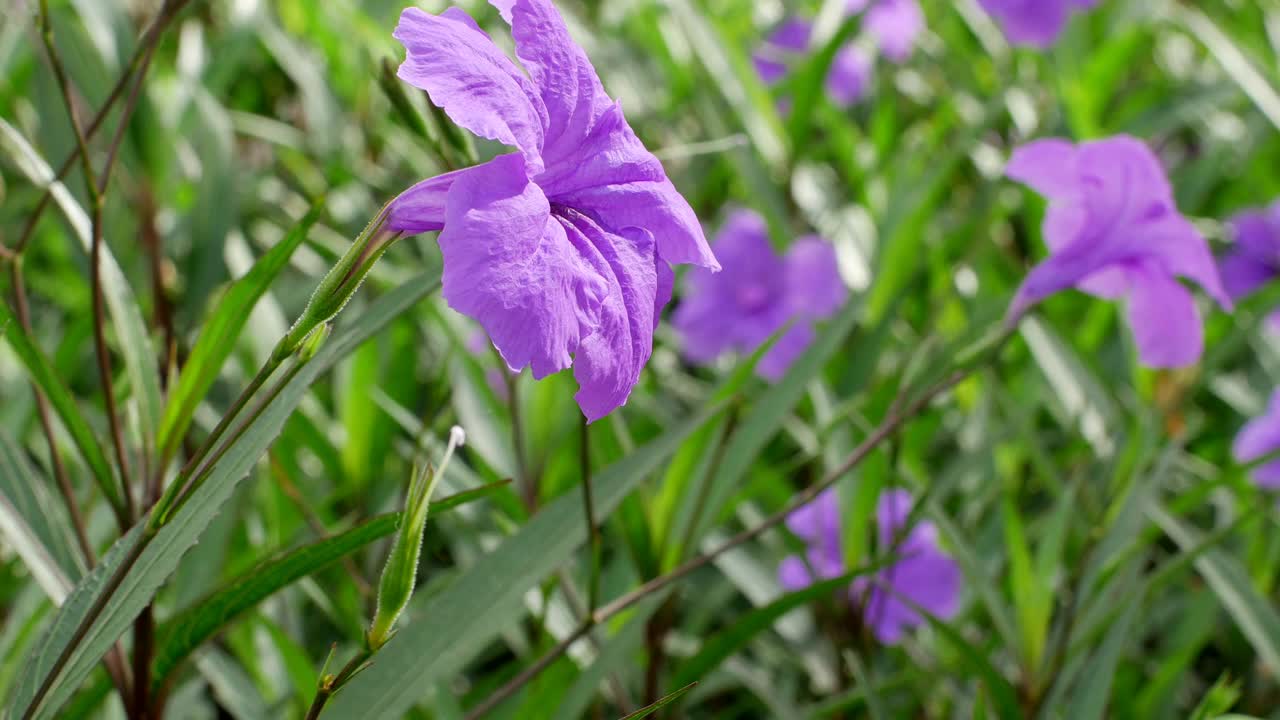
[1184, 252]
[819, 520]
[508, 265]
[896, 25]
[478, 87]
[421, 208]
[564, 77]
[1166, 323]
[793, 574]
[615, 347]
[849, 77]
[1047, 166]
[1029, 22]
[793, 343]
[655, 206]
[814, 286]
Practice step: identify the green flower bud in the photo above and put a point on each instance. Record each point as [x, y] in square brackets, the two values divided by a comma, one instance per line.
[401, 571]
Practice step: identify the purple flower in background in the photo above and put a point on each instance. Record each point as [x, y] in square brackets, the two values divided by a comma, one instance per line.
[1261, 437]
[1113, 231]
[1033, 22]
[847, 80]
[559, 250]
[757, 294]
[1255, 259]
[922, 576]
[896, 25]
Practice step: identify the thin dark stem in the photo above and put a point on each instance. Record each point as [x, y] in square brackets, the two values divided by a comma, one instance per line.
[891, 425]
[95, 261]
[593, 529]
[147, 45]
[144, 637]
[331, 685]
[23, 311]
[514, 684]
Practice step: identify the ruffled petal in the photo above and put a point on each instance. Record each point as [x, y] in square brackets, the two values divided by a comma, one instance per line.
[814, 286]
[1166, 323]
[478, 86]
[655, 206]
[614, 349]
[509, 266]
[564, 77]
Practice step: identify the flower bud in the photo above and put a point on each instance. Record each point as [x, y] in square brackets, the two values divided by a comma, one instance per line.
[400, 574]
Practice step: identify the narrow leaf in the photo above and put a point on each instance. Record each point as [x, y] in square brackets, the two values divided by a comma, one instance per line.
[647, 711]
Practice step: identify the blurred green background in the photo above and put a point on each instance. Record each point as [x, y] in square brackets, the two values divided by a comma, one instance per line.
[1117, 563]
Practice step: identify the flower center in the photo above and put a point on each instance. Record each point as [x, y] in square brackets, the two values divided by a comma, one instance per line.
[753, 297]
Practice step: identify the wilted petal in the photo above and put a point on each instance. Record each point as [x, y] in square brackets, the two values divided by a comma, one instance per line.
[1166, 323]
[615, 347]
[478, 86]
[509, 266]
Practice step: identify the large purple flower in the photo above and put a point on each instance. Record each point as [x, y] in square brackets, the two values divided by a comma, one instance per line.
[757, 294]
[921, 576]
[559, 250]
[1114, 231]
[1034, 22]
[1259, 438]
[1255, 259]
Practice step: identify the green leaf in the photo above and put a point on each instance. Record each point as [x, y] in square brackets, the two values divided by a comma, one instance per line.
[1254, 614]
[1089, 701]
[720, 647]
[452, 626]
[219, 333]
[160, 558]
[44, 376]
[134, 342]
[651, 709]
[615, 654]
[34, 526]
[189, 629]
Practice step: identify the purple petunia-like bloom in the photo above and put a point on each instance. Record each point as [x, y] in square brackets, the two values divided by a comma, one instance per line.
[1036, 23]
[847, 79]
[1255, 259]
[757, 294]
[922, 576]
[561, 249]
[1261, 437]
[1114, 231]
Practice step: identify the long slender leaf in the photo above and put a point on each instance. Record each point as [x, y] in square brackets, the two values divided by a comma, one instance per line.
[218, 336]
[45, 517]
[161, 557]
[44, 376]
[1089, 700]
[645, 712]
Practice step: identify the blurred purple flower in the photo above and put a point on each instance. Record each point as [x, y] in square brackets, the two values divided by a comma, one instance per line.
[1033, 22]
[1261, 437]
[1255, 259]
[479, 344]
[922, 575]
[847, 79]
[896, 25]
[561, 249]
[757, 294]
[1113, 231]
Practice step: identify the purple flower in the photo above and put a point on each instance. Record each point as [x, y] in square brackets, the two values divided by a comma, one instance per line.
[559, 250]
[757, 294]
[1033, 22]
[1261, 437]
[896, 25]
[847, 79]
[1113, 231]
[1255, 259]
[922, 575]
